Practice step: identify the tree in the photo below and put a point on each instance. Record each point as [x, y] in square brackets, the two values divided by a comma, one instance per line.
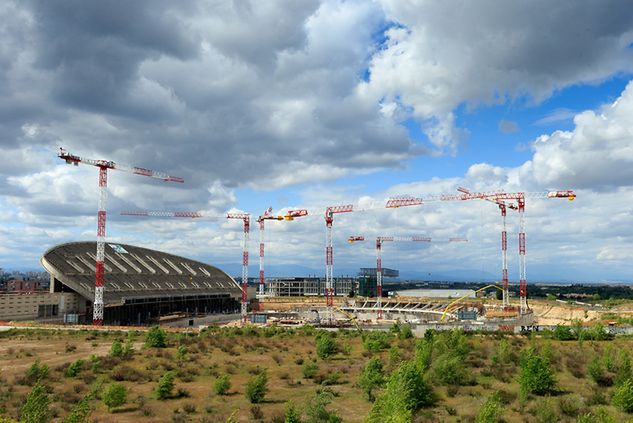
[291, 415]
[536, 375]
[325, 345]
[156, 338]
[114, 395]
[35, 408]
[257, 387]
[623, 396]
[376, 341]
[165, 386]
[117, 349]
[371, 377]
[222, 385]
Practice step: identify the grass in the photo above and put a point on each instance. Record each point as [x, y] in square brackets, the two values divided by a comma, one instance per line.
[240, 353]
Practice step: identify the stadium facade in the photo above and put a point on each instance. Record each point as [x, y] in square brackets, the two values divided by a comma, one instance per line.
[141, 285]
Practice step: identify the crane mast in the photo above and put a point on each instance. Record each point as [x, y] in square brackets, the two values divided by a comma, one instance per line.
[104, 165]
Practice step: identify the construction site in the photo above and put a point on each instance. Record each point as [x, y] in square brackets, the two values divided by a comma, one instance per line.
[144, 287]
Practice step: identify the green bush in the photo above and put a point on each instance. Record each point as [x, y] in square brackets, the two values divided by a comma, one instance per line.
[597, 372]
[406, 391]
[165, 386]
[623, 396]
[325, 344]
[371, 377]
[376, 341]
[36, 372]
[536, 375]
[309, 370]
[181, 352]
[571, 405]
[450, 370]
[491, 411]
[74, 368]
[222, 385]
[599, 415]
[117, 349]
[405, 332]
[291, 415]
[564, 333]
[114, 395]
[35, 408]
[257, 387]
[316, 407]
[156, 338]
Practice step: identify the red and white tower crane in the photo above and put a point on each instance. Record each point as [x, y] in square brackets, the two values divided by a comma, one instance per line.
[379, 241]
[290, 215]
[513, 200]
[329, 257]
[104, 165]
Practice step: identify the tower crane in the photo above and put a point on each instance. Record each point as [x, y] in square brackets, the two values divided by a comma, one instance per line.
[104, 165]
[513, 200]
[329, 257]
[379, 241]
[267, 215]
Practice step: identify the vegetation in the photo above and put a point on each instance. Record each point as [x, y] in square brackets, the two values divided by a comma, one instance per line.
[325, 344]
[35, 408]
[114, 395]
[156, 338]
[446, 376]
[165, 387]
[257, 387]
[222, 385]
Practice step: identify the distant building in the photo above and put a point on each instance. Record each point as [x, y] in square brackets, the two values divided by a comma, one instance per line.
[386, 272]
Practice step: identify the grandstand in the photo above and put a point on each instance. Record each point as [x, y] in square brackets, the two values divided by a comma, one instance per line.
[141, 285]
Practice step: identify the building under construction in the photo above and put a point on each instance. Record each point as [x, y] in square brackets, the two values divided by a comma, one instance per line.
[140, 285]
[299, 287]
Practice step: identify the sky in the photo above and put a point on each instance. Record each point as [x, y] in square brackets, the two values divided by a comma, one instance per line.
[307, 104]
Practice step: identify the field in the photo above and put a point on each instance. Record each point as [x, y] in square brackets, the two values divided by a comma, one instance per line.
[467, 374]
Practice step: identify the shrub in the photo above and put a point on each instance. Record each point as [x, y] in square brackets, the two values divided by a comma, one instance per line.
[257, 387]
[450, 370]
[316, 408]
[491, 410]
[181, 352]
[406, 391]
[35, 408]
[117, 349]
[36, 372]
[325, 344]
[291, 415]
[570, 405]
[257, 413]
[597, 416]
[114, 395]
[222, 385]
[309, 370]
[165, 386]
[376, 341]
[564, 333]
[74, 368]
[545, 412]
[371, 377]
[156, 338]
[597, 372]
[536, 376]
[623, 396]
[405, 332]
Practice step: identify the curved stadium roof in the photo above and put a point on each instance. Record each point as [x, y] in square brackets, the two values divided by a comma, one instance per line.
[135, 273]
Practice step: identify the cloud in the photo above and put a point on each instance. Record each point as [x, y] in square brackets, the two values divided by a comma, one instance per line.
[508, 126]
[557, 115]
[438, 55]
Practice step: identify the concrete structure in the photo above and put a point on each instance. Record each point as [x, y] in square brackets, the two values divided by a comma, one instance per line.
[140, 284]
[297, 287]
[40, 306]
